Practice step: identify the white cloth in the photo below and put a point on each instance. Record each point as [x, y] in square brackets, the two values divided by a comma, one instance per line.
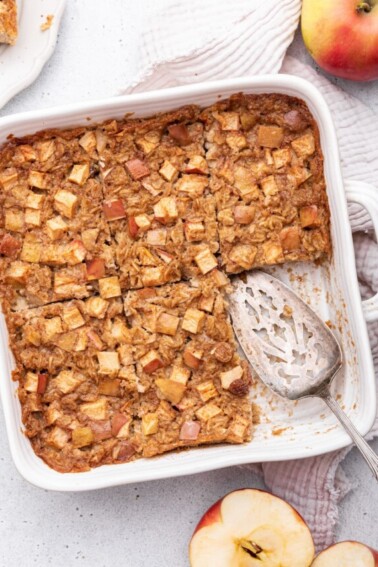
[188, 42]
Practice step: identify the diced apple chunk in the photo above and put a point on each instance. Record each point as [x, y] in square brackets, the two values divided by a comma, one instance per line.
[180, 374]
[120, 425]
[52, 327]
[220, 278]
[14, 220]
[270, 136]
[165, 210]
[192, 184]
[109, 387]
[167, 324]
[38, 179]
[193, 321]
[273, 253]
[142, 221]
[207, 390]
[82, 437]
[197, 164]
[168, 171]
[17, 273]
[88, 141]
[31, 251]
[96, 307]
[146, 293]
[95, 339]
[157, 237]
[164, 255]
[67, 381]
[46, 150]
[89, 237]
[65, 203]
[180, 133]
[8, 178]
[108, 362]
[33, 217]
[95, 269]
[153, 276]
[243, 255]
[109, 287]
[228, 120]
[269, 186]
[304, 146]
[79, 174]
[281, 157]
[56, 227]
[290, 238]
[95, 410]
[52, 414]
[171, 390]
[137, 168]
[244, 214]
[190, 431]
[230, 376]
[208, 411]
[236, 141]
[42, 383]
[72, 317]
[150, 423]
[151, 362]
[58, 438]
[9, 245]
[114, 210]
[192, 358]
[206, 303]
[34, 200]
[75, 252]
[309, 216]
[31, 382]
[194, 230]
[206, 261]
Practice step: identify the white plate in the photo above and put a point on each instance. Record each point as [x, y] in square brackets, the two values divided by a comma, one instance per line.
[287, 430]
[21, 64]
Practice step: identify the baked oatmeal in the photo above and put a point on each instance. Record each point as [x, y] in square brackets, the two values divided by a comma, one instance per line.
[8, 21]
[107, 380]
[113, 238]
[157, 198]
[267, 177]
[54, 239]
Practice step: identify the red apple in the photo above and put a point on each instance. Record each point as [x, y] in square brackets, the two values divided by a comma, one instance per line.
[42, 383]
[251, 528]
[342, 36]
[347, 554]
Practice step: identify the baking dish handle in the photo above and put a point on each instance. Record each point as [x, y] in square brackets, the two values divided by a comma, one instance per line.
[366, 195]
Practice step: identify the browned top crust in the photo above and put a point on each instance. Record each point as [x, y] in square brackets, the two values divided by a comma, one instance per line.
[8, 21]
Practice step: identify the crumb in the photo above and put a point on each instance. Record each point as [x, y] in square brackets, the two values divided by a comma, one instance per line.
[48, 23]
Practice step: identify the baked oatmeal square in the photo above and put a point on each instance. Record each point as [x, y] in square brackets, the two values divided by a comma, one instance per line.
[54, 240]
[157, 201]
[106, 380]
[267, 178]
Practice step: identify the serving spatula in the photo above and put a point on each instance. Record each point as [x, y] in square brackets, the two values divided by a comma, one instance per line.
[292, 351]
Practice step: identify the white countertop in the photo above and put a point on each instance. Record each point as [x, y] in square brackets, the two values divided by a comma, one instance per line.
[147, 524]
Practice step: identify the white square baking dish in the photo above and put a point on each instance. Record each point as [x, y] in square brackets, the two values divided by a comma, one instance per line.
[286, 430]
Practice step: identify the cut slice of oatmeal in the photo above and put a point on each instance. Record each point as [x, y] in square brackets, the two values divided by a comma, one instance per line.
[8, 21]
[54, 241]
[267, 178]
[102, 381]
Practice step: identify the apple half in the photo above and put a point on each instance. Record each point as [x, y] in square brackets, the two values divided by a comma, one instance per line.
[347, 554]
[251, 528]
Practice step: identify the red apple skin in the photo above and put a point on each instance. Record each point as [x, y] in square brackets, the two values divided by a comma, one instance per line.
[212, 515]
[323, 554]
[133, 227]
[342, 37]
[152, 366]
[95, 269]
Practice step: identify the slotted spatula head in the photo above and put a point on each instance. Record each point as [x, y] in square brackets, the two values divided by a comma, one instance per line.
[291, 349]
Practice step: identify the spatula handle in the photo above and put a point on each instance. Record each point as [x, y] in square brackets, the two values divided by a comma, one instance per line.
[366, 451]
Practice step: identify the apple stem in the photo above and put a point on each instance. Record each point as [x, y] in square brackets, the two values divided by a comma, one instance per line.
[364, 6]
